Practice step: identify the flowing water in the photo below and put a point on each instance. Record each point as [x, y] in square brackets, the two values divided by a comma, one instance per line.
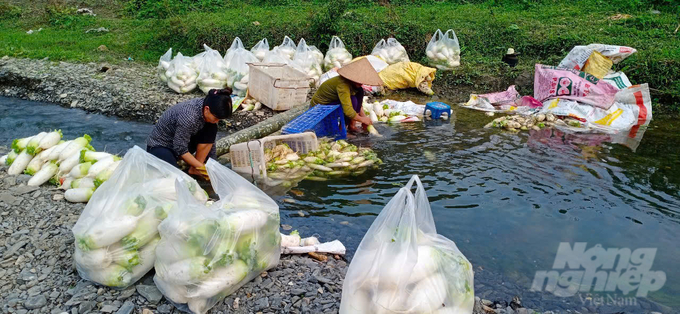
[507, 200]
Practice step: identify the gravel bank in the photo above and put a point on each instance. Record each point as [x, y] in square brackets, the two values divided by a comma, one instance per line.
[130, 91]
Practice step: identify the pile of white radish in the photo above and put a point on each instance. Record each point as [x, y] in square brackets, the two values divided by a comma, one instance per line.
[403, 266]
[443, 50]
[116, 235]
[212, 72]
[337, 55]
[238, 70]
[207, 252]
[182, 74]
[250, 104]
[72, 165]
[382, 112]
[391, 51]
[164, 65]
[307, 61]
[287, 48]
[260, 49]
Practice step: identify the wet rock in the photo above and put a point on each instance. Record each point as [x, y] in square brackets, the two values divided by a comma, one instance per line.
[151, 293]
[35, 302]
[86, 307]
[127, 308]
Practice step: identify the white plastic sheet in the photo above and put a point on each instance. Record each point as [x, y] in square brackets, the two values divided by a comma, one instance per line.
[403, 266]
[116, 235]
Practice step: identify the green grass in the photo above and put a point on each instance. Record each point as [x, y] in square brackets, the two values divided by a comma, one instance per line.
[542, 33]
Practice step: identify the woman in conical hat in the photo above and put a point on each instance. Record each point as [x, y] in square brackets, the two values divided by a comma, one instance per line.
[345, 90]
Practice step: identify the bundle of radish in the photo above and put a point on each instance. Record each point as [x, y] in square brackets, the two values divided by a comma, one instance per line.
[163, 65]
[238, 71]
[331, 160]
[337, 55]
[116, 235]
[213, 72]
[260, 49]
[391, 51]
[443, 50]
[208, 252]
[403, 266]
[306, 61]
[181, 74]
[382, 112]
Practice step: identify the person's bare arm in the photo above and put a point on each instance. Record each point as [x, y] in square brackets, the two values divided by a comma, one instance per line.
[191, 160]
[202, 151]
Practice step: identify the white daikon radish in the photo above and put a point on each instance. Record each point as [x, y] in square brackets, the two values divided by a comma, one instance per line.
[106, 232]
[85, 182]
[74, 147]
[198, 306]
[50, 140]
[20, 163]
[373, 116]
[106, 174]
[186, 271]
[80, 170]
[34, 166]
[428, 295]
[175, 293]
[94, 259]
[20, 144]
[3, 160]
[45, 174]
[100, 166]
[290, 240]
[112, 276]
[54, 155]
[220, 279]
[67, 165]
[90, 156]
[147, 257]
[81, 195]
[245, 220]
[34, 143]
[309, 241]
[427, 265]
[66, 183]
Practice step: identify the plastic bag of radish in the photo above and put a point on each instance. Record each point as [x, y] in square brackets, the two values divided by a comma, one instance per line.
[443, 50]
[403, 266]
[260, 49]
[208, 252]
[337, 55]
[163, 65]
[306, 61]
[238, 71]
[116, 234]
[391, 51]
[182, 74]
[212, 72]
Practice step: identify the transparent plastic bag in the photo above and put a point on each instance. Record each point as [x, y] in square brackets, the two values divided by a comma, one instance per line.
[235, 45]
[443, 50]
[213, 72]
[208, 252]
[306, 61]
[197, 60]
[163, 65]
[238, 71]
[403, 266]
[116, 234]
[181, 74]
[260, 49]
[276, 56]
[287, 48]
[337, 55]
[318, 55]
[391, 51]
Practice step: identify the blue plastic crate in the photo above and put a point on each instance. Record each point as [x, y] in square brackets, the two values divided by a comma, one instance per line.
[324, 120]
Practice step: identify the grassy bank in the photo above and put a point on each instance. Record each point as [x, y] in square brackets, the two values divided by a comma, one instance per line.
[543, 32]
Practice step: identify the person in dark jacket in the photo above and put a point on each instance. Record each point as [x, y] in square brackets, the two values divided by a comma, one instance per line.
[188, 130]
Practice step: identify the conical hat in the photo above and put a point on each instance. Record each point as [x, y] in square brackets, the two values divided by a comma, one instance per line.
[362, 72]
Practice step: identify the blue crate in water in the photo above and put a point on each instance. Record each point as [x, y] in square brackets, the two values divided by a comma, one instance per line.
[324, 120]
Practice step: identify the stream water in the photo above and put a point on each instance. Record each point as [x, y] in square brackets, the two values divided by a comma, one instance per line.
[507, 200]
